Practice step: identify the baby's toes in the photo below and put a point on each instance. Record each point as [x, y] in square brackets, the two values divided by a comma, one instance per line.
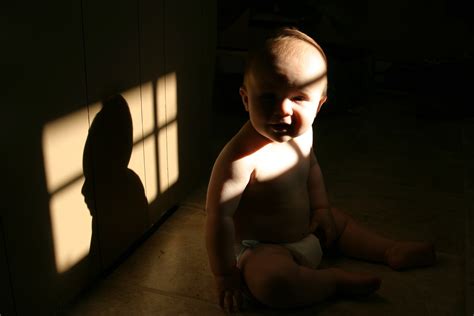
[410, 255]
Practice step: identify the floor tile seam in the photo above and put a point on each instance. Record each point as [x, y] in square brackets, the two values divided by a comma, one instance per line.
[450, 255]
[134, 286]
[194, 206]
[170, 294]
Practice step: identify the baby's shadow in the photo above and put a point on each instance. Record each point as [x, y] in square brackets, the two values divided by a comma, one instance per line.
[113, 193]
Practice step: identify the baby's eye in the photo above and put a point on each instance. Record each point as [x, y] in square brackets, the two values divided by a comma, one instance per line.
[299, 98]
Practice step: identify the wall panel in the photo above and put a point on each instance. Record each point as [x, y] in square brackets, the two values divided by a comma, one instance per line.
[111, 35]
[189, 54]
[152, 63]
[47, 264]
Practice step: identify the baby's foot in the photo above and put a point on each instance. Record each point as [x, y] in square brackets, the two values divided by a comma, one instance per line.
[355, 284]
[410, 254]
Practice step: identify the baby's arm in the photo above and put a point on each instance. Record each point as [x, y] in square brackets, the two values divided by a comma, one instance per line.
[228, 180]
[322, 221]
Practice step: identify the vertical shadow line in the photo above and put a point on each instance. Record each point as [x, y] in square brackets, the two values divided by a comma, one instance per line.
[10, 280]
[155, 136]
[165, 92]
[140, 82]
[86, 91]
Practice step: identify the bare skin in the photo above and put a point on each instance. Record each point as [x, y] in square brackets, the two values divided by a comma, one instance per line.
[267, 185]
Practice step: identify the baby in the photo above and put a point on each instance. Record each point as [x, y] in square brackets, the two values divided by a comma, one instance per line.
[267, 206]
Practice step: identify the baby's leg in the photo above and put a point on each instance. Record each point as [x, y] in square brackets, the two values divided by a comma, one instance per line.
[276, 280]
[357, 241]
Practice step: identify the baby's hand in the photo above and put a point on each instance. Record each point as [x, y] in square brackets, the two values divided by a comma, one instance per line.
[324, 227]
[229, 290]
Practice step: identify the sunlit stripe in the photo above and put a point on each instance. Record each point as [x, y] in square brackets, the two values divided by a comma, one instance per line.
[136, 162]
[148, 121]
[71, 225]
[163, 160]
[151, 169]
[173, 153]
[132, 96]
[161, 102]
[63, 143]
[171, 97]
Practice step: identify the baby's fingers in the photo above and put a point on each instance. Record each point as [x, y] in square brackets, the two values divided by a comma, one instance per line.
[229, 301]
[222, 299]
[226, 300]
[238, 300]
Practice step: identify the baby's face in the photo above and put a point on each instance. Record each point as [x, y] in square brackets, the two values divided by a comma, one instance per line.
[284, 94]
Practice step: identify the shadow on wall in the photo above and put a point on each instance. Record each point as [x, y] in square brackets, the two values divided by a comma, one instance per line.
[130, 159]
[110, 186]
[111, 170]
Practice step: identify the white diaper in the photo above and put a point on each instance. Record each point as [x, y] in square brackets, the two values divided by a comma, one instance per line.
[306, 252]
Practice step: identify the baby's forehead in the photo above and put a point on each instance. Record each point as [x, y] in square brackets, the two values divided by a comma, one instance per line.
[297, 54]
[286, 46]
[293, 60]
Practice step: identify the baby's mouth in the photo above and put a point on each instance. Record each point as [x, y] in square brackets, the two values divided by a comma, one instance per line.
[280, 127]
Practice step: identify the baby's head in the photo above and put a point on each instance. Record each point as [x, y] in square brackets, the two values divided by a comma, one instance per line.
[285, 85]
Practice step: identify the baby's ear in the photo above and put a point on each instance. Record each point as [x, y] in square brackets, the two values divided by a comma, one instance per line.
[321, 102]
[245, 97]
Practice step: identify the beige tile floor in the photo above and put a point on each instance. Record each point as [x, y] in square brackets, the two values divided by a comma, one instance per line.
[402, 175]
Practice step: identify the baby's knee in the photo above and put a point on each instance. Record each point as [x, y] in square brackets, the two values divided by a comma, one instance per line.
[273, 289]
[341, 219]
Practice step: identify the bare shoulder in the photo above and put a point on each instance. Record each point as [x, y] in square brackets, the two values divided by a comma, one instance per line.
[236, 158]
[230, 174]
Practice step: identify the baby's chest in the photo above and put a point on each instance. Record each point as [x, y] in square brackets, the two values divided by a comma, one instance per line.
[285, 164]
[278, 189]
[278, 172]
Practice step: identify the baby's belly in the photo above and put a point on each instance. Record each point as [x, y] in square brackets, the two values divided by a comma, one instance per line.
[266, 221]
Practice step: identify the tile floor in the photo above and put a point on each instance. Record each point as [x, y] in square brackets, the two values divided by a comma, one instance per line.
[404, 175]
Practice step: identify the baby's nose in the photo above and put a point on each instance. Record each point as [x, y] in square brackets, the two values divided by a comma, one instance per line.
[284, 108]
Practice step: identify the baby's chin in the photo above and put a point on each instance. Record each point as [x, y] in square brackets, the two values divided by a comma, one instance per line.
[279, 137]
[276, 136]
[283, 139]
